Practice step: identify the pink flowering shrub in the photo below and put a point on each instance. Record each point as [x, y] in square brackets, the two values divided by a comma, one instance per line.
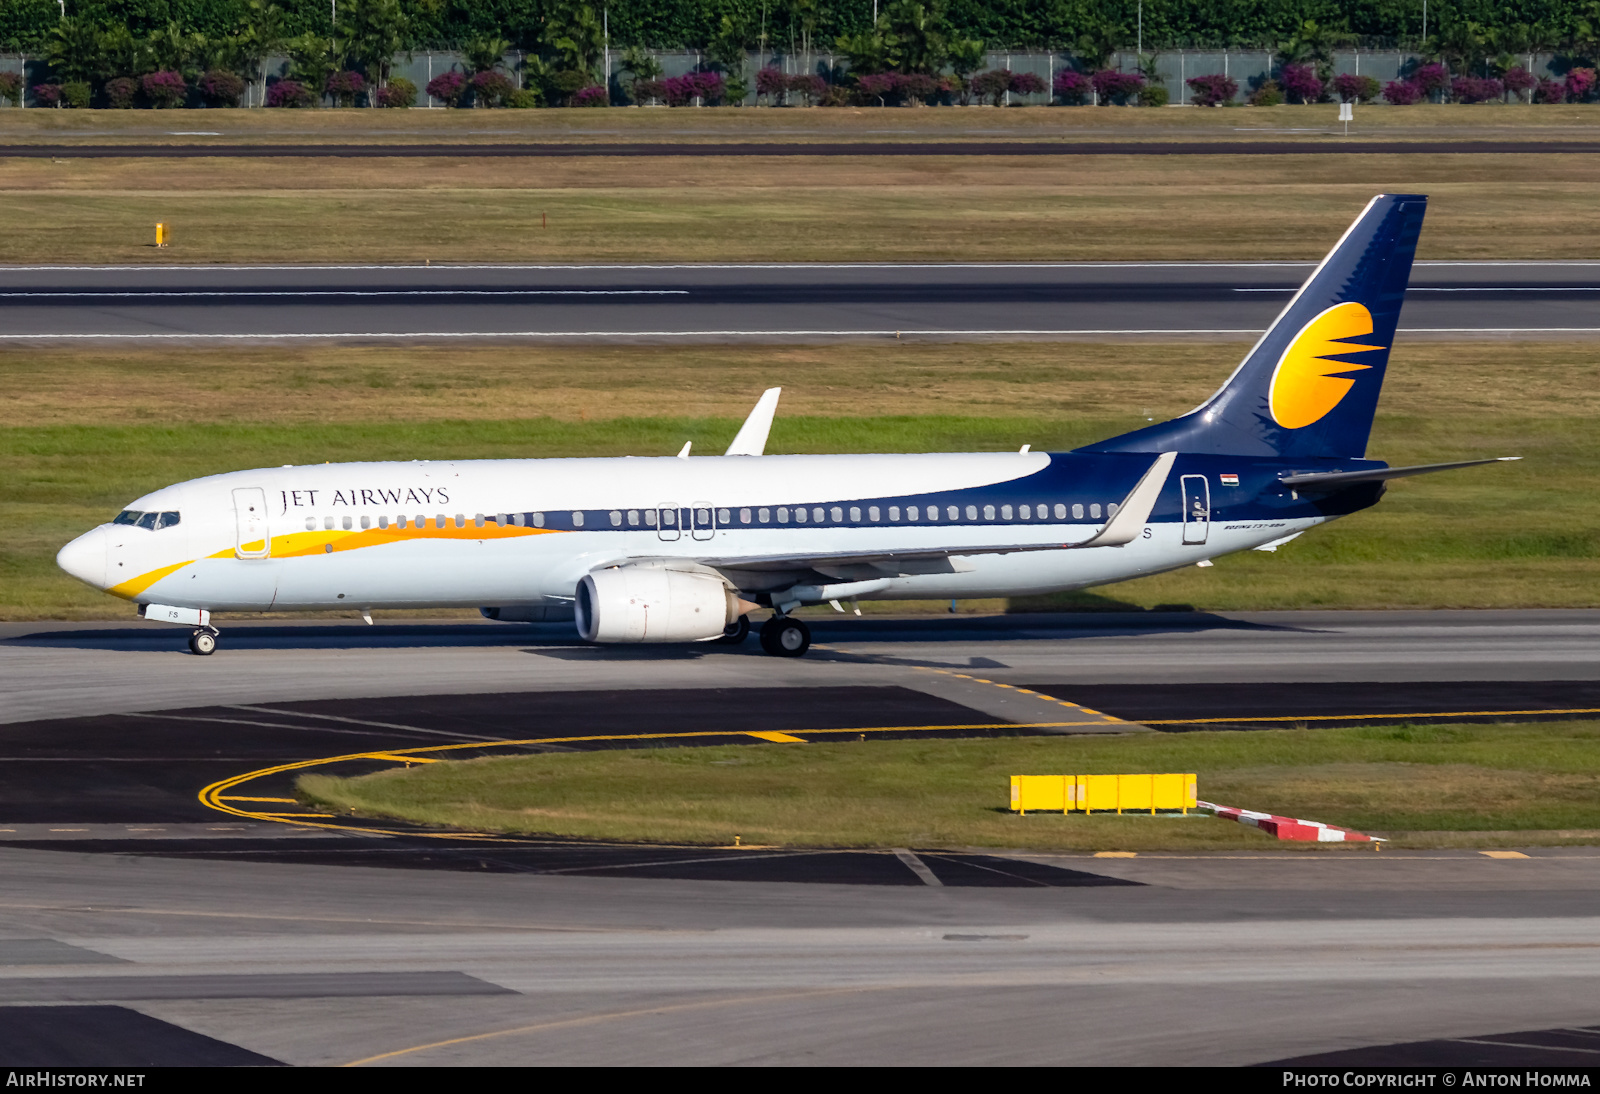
[1476, 89]
[1549, 92]
[1580, 81]
[11, 84]
[1072, 88]
[1402, 92]
[1353, 89]
[708, 87]
[290, 94]
[1027, 83]
[1121, 88]
[47, 94]
[772, 82]
[810, 87]
[1212, 90]
[121, 91]
[448, 88]
[491, 89]
[1432, 78]
[883, 86]
[590, 96]
[218, 87]
[343, 87]
[1301, 82]
[1519, 81]
[165, 90]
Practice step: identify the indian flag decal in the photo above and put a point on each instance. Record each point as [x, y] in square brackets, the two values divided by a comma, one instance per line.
[1229, 480]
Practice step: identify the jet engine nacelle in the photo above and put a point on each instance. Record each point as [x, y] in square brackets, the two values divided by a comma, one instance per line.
[655, 604]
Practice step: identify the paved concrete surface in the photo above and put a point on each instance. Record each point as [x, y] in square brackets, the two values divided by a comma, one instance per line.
[196, 944]
[74, 669]
[708, 303]
[612, 971]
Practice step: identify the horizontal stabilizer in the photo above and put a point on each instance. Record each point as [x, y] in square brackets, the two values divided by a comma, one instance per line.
[1333, 480]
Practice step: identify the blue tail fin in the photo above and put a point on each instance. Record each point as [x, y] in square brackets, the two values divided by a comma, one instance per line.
[1310, 386]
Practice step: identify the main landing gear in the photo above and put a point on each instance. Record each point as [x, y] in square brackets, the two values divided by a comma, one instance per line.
[203, 641]
[785, 636]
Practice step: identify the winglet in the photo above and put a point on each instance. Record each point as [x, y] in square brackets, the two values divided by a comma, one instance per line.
[752, 438]
[1134, 513]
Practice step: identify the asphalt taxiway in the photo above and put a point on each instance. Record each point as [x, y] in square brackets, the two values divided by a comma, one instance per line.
[158, 904]
[710, 303]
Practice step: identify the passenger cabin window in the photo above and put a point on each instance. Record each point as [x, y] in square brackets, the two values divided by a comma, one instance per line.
[383, 522]
[1025, 512]
[1005, 512]
[1077, 512]
[538, 520]
[616, 518]
[744, 516]
[872, 513]
[783, 515]
[816, 515]
[311, 524]
[911, 512]
[763, 515]
[1094, 511]
[633, 518]
[837, 515]
[577, 518]
[954, 513]
[800, 515]
[650, 518]
[518, 519]
[366, 522]
[988, 512]
[724, 517]
[894, 512]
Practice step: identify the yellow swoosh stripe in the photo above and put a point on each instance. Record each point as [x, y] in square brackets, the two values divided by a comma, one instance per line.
[306, 544]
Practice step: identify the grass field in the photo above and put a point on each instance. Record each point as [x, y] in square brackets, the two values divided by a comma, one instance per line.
[83, 434]
[678, 209]
[1421, 786]
[474, 126]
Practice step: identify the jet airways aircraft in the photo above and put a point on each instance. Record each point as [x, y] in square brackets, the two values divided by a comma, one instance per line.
[682, 549]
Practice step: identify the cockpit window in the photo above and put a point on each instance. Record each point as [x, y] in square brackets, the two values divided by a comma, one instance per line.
[150, 522]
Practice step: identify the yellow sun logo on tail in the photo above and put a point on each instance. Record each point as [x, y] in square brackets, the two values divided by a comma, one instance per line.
[1306, 384]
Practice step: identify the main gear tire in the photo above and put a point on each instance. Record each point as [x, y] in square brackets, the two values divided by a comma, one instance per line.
[785, 636]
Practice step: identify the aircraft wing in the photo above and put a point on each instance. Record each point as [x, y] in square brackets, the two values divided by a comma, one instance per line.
[1124, 527]
[1334, 480]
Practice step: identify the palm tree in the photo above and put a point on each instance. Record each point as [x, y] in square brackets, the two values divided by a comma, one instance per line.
[375, 30]
[576, 33]
[485, 54]
[73, 50]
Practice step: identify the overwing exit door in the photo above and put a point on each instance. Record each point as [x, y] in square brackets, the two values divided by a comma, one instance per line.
[1196, 508]
[250, 517]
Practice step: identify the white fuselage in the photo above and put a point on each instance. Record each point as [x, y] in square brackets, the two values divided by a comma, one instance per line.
[525, 532]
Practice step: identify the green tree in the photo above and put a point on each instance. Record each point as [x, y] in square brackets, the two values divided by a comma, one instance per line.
[374, 31]
[312, 59]
[73, 50]
[727, 51]
[578, 37]
[485, 53]
[261, 35]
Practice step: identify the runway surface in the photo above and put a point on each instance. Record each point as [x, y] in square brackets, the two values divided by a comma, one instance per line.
[144, 923]
[1317, 144]
[708, 303]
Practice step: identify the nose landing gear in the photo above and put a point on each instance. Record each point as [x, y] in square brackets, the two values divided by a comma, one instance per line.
[785, 636]
[203, 641]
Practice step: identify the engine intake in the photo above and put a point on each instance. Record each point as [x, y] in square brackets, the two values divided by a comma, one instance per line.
[655, 604]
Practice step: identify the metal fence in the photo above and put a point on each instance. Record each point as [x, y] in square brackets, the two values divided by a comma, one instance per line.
[1171, 69]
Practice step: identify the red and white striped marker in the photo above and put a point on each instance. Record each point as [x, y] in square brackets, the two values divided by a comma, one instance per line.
[1289, 827]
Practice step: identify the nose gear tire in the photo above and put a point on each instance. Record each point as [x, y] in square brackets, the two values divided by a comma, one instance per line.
[202, 643]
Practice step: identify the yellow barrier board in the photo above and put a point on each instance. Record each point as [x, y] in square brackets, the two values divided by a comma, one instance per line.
[1140, 793]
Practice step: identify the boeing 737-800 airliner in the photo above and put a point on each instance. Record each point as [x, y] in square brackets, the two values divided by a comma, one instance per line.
[681, 549]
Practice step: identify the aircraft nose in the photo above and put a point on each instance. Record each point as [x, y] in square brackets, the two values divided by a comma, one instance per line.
[85, 558]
